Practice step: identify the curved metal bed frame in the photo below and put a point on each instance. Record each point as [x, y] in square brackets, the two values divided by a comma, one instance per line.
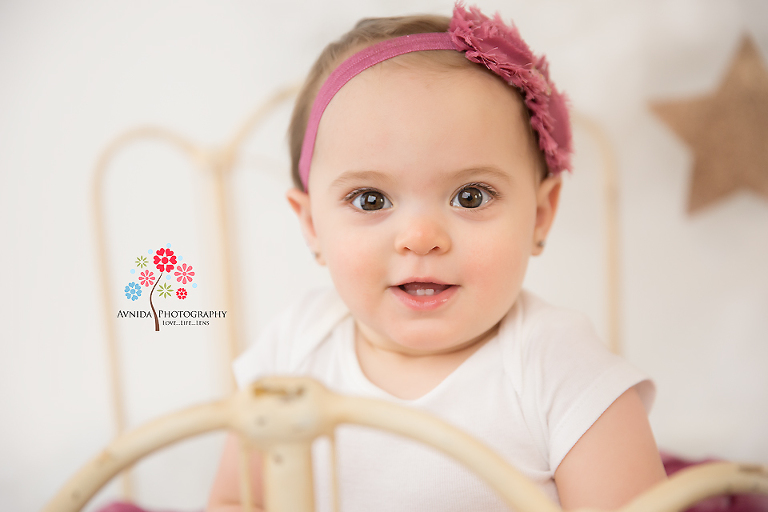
[281, 417]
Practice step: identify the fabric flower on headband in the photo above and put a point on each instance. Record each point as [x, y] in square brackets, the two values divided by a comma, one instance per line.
[500, 48]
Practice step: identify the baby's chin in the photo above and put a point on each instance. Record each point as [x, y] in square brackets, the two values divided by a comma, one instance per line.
[426, 342]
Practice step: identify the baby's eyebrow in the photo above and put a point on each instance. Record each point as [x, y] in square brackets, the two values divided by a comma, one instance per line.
[490, 172]
[355, 177]
[480, 171]
[383, 179]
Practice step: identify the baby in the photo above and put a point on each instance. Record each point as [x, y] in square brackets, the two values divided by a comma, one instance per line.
[427, 155]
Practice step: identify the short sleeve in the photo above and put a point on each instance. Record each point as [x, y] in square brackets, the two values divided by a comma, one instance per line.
[571, 376]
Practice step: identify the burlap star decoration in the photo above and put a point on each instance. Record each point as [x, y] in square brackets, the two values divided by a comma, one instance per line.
[727, 131]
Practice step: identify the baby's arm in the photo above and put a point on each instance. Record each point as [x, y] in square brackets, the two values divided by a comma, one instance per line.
[614, 461]
[225, 493]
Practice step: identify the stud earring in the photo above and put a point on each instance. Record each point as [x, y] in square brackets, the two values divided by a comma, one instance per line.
[540, 244]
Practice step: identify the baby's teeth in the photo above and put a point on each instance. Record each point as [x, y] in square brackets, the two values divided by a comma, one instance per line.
[421, 291]
[429, 291]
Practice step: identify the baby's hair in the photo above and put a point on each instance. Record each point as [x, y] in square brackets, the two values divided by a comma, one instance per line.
[367, 32]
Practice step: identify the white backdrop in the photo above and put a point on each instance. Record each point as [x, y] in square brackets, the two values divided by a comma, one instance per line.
[75, 75]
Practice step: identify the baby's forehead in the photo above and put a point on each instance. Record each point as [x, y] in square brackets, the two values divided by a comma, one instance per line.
[432, 96]
[457, 92]
[444, 67]
[403, 122]
[420, 74]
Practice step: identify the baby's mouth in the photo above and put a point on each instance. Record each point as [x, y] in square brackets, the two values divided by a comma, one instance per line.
[424, 288]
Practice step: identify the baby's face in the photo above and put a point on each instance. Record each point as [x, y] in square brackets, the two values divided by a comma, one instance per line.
[425, 204]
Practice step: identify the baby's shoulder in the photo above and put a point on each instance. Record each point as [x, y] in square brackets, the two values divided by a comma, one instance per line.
[543, 343]
[313, 314]
[290, 336]
[534, 325]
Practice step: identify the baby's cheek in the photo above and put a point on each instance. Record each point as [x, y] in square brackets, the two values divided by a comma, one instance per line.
[359, 270]
[499, 266]
[353, 262]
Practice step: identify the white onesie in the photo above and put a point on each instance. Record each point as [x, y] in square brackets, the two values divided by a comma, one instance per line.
[529, 393]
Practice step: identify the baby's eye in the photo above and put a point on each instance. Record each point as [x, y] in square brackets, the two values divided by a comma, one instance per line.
[471, 196]
[371, 200]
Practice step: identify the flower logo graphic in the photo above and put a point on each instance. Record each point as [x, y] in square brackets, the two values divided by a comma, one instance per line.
[133, 291]
[164, 260]
[147, 278]
[184, 274]
[165, 290]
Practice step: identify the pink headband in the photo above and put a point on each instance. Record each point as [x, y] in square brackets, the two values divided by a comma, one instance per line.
[485, 41]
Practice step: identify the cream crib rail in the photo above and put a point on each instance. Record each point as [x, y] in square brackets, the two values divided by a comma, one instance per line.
[612, 228]
[281, 416]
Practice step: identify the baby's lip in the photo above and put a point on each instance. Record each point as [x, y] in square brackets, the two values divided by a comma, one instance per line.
[424, 294]
[423, 281]
[424, 287]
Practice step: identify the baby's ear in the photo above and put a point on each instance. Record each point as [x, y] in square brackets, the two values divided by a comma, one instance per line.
[547, 199]
[299, 201]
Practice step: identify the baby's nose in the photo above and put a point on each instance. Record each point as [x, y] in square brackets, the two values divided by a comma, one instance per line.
[423, 235]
